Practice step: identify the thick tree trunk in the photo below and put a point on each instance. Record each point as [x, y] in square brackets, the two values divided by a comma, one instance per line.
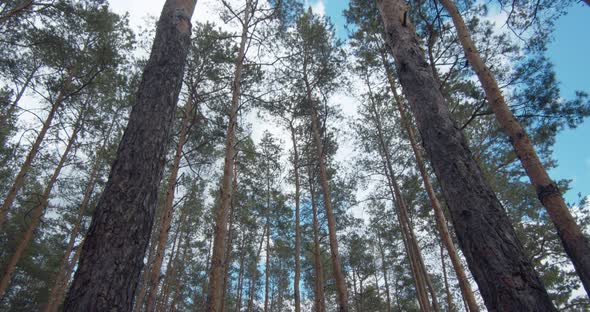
[217, 259]
[574, 242]
[439, 215]
[39, 210]
[114, 249]
[24, 169]
[168, 206]
[341, 292]
[255, 273]
[320, 301]
[506, 278]
[297, 231]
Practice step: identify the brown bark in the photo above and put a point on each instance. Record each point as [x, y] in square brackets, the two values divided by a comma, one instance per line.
[112, 256]
[177, 289]
[297, 231]
[440, 218]
[255, 273]
[573, 240]
[169, 205]
[217, 259]
[38, 211]
[341, 292]
[506, 278]
[320, 302]
[240, 276]
[171, 265]
[24, 169]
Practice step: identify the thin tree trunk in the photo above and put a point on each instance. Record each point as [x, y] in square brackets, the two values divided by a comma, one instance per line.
[255, 273]
[169, 206]
[112, 256]
[320, 301]
[440, 218]
[228, 250]
[24, 5]
[169, 273]
[24, 169]
[216, 274]
[574, 242]
[174, 279]
[446, 280]
[240, 276]
[506, 278]
[297, 231]
[19, 95]
[384, 270]
[341, 292]
[39, 210]
[59, 297]
[267, 264]
[416, 262]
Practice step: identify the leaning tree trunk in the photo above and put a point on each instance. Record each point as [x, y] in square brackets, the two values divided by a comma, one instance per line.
[297, 232]
[112, 255]
[574, 242]
[384, 271]
[24, 169]
[506, 278]
[341, 291]
[439, 215]
[39, 210]
[217, 259]
[154, 278]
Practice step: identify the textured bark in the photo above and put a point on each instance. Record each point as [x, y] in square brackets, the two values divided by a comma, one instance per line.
[169, 206]
[221, 212]
[573, 240]
[506, 278]
[297, 231]
[439, 215]
[39, 210]
[320, 302]
[24, 169]
[341, 292]
[113, 252]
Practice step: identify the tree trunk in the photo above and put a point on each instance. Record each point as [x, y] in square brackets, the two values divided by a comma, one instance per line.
[228, 250]
[255, 273]
[59, 296]
[216, 273]
[267, 263]
[440, 218]
[169, 206]
[416, 263]
[384, 270]
[574, 242]
[506, 278]
[297, 231]
[341, 292]
[320, 301]
[24, 169]
[39, 210]
[114, 249]
[446, 280]
[169, 273]
[61, 272]
[240, 276]
[24, 5]
[19, 95]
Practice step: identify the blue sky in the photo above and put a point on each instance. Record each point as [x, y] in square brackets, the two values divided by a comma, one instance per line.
[569, 52]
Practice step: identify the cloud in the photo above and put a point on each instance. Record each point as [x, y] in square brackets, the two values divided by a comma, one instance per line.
[318, 6]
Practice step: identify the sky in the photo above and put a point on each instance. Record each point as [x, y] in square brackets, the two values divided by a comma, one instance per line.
[568, 52]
